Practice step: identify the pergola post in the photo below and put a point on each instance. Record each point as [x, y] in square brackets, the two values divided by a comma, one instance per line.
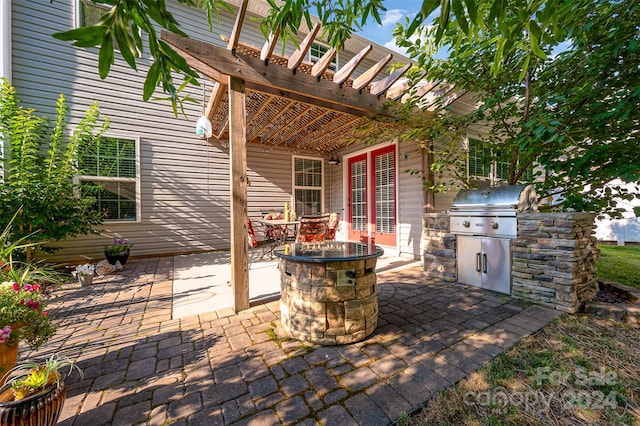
[238, 184]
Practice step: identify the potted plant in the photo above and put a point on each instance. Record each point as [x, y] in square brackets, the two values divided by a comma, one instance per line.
[35, 391]
[84, 274]
[22, 317]
[118, 251]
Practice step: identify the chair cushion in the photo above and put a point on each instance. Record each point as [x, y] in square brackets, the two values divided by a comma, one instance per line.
[253, 242]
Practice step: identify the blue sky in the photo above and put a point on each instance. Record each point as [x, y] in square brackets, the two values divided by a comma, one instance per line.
[397, 11]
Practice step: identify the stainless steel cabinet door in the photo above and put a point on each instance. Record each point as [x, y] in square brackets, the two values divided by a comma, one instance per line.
[496, 264]
[469, 257]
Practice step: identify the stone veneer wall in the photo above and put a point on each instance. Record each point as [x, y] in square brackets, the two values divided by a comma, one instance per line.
[439, 252]
[330, 303]
[554, 259]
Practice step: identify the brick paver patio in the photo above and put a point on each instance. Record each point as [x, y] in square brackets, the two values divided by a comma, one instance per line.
[142, 367]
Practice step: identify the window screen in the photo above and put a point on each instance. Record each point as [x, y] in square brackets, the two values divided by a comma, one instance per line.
[385, 193]
[479, 159]
[109, 168]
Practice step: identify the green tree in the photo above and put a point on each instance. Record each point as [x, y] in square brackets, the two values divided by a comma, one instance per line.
[575, 114]
[39, 167]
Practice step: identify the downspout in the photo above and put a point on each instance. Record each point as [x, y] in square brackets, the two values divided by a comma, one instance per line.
[5, 39]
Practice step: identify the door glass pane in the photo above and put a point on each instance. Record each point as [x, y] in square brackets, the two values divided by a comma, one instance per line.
[358, 196]
[385, 193]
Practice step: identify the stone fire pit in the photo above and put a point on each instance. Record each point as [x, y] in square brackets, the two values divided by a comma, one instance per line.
[328, 291]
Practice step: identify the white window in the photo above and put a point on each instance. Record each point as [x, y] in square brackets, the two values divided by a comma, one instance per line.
[478, 159]
[317, 51]
[110, 168]
[308, 193]
[491, 163]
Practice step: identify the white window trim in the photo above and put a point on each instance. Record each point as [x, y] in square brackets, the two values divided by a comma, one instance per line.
[78, 178]
[294, 186]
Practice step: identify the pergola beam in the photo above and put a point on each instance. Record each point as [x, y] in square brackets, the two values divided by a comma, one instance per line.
[269, 46]
[298, 56]
[237, 27]
[367, 77]
[323, 64]
[215, 99]
[381, 86]
[345, 72]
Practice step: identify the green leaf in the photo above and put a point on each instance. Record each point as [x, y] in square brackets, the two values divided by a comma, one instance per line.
[458, 10]
[151, 80]
[105, 57]
[84, 37]
[444, 19]
[472, 10]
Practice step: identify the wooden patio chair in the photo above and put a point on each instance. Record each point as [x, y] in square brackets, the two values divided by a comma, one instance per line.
[312, 229]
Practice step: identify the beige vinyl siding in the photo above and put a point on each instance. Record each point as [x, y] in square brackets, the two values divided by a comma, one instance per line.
[184, 181]
[410, 200]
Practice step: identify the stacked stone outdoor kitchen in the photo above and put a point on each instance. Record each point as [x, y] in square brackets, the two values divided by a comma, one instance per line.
[552, 257]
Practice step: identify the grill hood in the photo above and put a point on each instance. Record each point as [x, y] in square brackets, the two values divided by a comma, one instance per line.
[508, 198]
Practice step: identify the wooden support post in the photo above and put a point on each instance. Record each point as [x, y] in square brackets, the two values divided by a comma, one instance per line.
[238, 183]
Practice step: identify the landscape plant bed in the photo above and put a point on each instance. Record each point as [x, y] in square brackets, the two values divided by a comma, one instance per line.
[578, 370]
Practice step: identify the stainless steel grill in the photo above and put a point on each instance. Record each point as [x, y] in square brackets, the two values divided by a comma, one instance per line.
[491, 211]
[485, 222]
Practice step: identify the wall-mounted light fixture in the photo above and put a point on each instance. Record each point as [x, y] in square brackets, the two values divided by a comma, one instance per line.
[334, 161]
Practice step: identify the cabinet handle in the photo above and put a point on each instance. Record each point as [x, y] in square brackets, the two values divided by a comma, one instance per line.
[484, 263]
[478, 260]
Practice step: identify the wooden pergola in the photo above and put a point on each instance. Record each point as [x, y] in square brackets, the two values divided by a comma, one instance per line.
[259, 97]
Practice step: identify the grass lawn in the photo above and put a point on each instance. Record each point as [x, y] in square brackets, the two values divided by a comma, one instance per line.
[578, 370]
[620, 264]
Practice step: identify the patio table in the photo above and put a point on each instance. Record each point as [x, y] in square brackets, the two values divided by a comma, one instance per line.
[328, 290]
[280, 230]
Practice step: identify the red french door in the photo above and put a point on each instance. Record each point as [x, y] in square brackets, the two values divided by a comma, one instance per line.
[372, 196]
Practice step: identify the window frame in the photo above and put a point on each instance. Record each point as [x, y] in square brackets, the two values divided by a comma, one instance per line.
[295, 187]
[490, 175]
[138, 198]
[494, 163]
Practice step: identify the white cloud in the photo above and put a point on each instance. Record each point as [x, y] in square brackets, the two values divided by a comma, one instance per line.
[392, 16]
[391, 44]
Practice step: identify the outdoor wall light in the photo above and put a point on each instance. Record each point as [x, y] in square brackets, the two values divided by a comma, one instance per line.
[334, 161]
[203, 127]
